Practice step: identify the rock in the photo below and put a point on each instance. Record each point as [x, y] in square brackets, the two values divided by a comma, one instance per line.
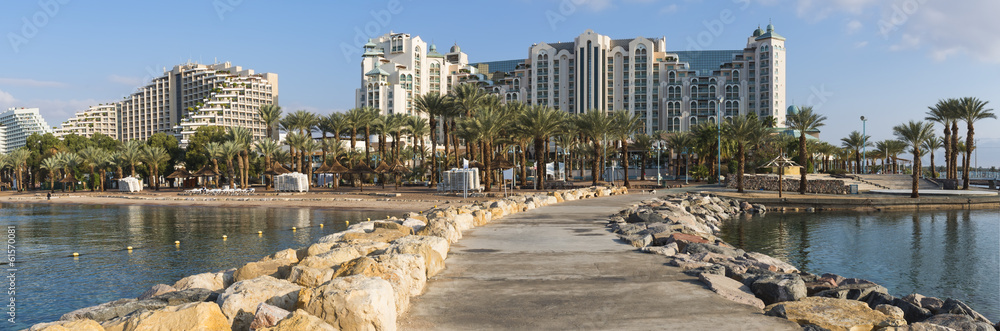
[893, 313]
[245, 296]
[683, 239]
[309, 276]
[415, 224]
[851, 281]
[731, 289]
[912, 313]
[189, 316]
[829, 313]
[930, 303]
[433, 249]
[714, 269]
[769, 263]
[876, 298]
[919, 326]
[352, 303]
[442, 228]
[668, 250]
[274, 268]
[216, 281]
[952, 306]
[959, 322]
[858, 292]
[779, 288]
[637, 240]
[186, 296]
[340, 253]
[75, 325]
[360, 266]
[301, 320]
[267, 316]
[695, 248]
[379, 234]
[407, 273]
[835, 278]
[156, 290]
[645, 217]
[113, 309]
[290, 256]
[819, 285]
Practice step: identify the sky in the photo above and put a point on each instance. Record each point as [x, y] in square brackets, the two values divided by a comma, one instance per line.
[887, 60]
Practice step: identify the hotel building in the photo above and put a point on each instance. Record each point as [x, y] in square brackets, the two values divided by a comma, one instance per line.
[96, 119]
[669, 90]
[193, 95]
[16, 124]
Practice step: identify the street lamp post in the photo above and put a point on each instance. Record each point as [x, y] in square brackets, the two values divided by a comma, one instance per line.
[718, 157]
[659, 153]
[864, 144]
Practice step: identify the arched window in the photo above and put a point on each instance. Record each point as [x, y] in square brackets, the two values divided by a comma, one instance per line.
[694, 90]
[671, 76]
[694, 81]
[693, 120]
[736, 75]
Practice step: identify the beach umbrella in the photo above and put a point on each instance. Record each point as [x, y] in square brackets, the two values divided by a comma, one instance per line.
[279, 169]
[360, 169]
[335, 168]
[382, 168]
[206, 171]
[179, 174]
[396, 169]
[501, 164]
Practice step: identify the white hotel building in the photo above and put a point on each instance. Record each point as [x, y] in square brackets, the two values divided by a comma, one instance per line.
[193, 95]
[669, 90]
[96, 119]
[16, 124]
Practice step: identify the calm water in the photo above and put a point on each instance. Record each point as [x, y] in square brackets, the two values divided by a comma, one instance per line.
[50, 282]
[945, 254]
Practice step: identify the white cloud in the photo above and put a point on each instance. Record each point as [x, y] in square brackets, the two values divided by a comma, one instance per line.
[29, 82]
[853, 26]
[672, 8]
[861, 44]
[6, 100]
[54, 111]
[907, 42]
[125, 80]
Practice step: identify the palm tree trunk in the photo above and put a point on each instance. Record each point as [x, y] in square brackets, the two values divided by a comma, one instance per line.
[540, 163]
[933, 171]
[969, 146]
[805, 164]
[625, 162]
[914, 193]
[524, 163]
[954, 149]
[742, 161]
[593, 163]
[434, 158]
[447, 143]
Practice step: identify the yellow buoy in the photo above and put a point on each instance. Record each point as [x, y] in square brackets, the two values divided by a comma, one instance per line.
[224, 237]
[177, 242]
[128, 248]
[75, 254]
[259, 233]
[369, 219]
[347, 223]
[294, 228]
[321, 225]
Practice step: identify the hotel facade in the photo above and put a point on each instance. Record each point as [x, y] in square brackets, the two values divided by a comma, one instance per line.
[16, 124]
[101, 119]
[669, 90]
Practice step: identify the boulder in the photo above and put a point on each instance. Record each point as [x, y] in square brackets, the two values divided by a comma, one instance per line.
[274, 268]
[668, 250]
[442, 228]
[75, 325]
[267, 316]
[114, 309]
[829, 313]
[300, 320]
[415, 224]
[959, 322]
[779, 288]
[819, 285]
[851, 281]
[245, 296]
[290, 256]
[683, 239]
[342, 252]
[406, 273]
[186, 296]
[352, 303]
[434, 250]
[930, 303]
[892, 312]
[309, 276]
[360, 266]
[919, 326]
[858, 292]
[695, 248]
[190, 316]
[216, 281]
[637, 240]
[378, 234]
[156, 290]
[645, 217]
[731, 289]
[769, 263]
[952, 306]
[912, 313]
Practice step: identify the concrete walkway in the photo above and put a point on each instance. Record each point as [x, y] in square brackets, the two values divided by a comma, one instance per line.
[558, 268]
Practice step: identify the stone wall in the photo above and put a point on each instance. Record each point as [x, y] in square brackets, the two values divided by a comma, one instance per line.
[770, 183]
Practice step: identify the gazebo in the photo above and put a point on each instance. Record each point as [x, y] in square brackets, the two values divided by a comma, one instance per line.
[206, 171]
[181, 174]
[360, 169]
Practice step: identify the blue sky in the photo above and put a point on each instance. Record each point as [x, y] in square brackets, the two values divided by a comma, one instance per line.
[885, 59]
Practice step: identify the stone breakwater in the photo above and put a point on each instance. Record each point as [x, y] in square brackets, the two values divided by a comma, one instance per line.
[361, 278]
[770, 183]
[683, 228]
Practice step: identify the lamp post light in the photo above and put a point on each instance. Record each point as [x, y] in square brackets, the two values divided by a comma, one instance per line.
[864, 144]
[718, 157]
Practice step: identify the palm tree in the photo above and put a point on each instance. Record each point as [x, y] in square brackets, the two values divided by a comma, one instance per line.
[930, 145]
[914, 134]
[243, 138]
[270, 114]
[747, 132]
[295, 141]
[644, 144]
[944, 113]
[855, 142]
[804, 121]
[308, 148]
[623, 126]
[435, 106]
[215, 152]
[972, 110]
[896, 147]
[419, 129]
[154, 156]
[680, 142]
[229, 150]
[540, 122]
[594, 125]
[19, 158]
[95, 157]
[131, 153]
[267, 147]
[353, 119]
[52, 164]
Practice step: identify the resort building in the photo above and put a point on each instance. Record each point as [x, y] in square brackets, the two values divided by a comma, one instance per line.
[193, 95]
[16, 124]
[670, 90]
[101, 119]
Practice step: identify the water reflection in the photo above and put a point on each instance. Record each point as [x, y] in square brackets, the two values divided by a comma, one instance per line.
[936, 253]
[53, 283]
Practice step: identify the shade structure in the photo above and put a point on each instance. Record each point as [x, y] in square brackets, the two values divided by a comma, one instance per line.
[382, 168]
[206, 171]
[501, 164]
[179, 173]
[337, 168]
[67, 179]
[398, 167]
[362, 168]
[279, 169]
[476, 164]
[323, 169]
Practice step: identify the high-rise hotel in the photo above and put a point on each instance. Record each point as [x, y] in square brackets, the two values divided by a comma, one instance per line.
[669, 90]
[185, 98]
